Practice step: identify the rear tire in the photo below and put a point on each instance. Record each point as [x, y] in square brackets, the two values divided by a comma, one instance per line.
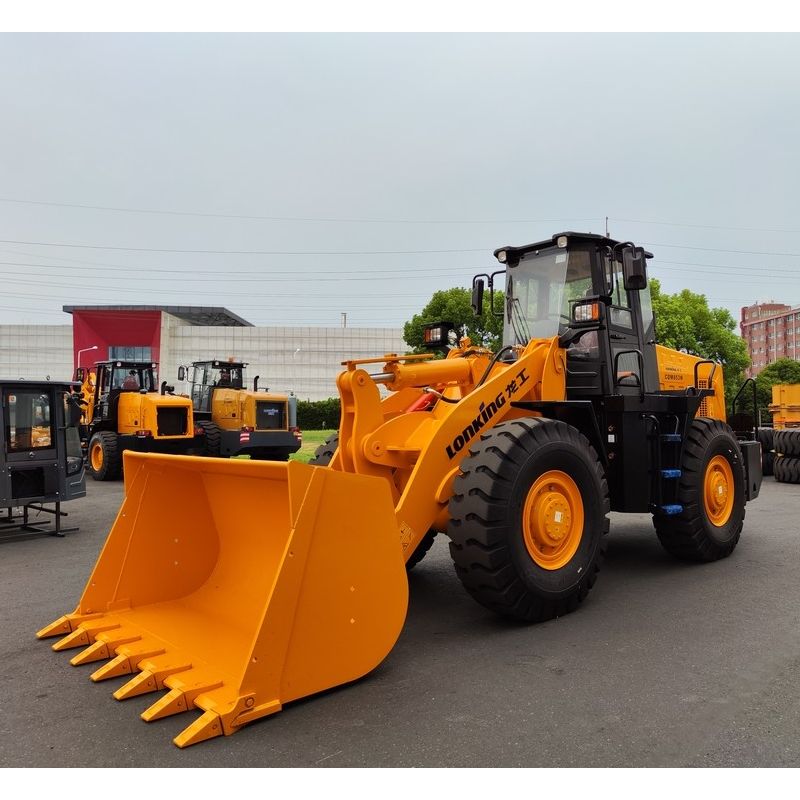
[711, 493]
[528, 519]
[213, 438]
[787, 469]
[105, 458]
[787, 442]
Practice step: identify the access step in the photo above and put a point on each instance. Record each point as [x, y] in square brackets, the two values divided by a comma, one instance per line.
[671, 509]
[670, 474]
[671, 437]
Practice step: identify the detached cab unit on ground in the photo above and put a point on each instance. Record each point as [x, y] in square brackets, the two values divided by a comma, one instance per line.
[40, 457]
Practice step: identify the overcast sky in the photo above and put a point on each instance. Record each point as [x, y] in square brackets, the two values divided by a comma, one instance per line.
[400, 161]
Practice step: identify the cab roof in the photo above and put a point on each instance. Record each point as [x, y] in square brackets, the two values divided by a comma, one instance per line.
[573, 237]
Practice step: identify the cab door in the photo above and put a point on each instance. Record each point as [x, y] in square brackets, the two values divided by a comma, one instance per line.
[626, 344]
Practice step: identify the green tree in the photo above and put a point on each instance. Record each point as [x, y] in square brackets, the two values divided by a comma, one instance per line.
[455, 305]
[684, 321]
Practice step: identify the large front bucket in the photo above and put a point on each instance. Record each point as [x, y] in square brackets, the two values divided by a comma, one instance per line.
[239, 586]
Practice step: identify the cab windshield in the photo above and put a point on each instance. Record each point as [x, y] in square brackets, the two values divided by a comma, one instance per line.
[132, 379]
[539, 290]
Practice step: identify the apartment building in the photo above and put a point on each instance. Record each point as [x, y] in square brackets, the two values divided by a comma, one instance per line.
[771, 331]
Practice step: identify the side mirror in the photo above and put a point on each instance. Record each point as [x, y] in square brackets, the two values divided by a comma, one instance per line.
[477, 296]
[634, 268]
[181, 373]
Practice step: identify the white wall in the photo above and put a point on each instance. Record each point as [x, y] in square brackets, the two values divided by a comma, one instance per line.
[305, 361]
[36, 351]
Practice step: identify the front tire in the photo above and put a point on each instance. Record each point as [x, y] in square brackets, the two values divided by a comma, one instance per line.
[711, 491]
[528, 519]
[105, 458]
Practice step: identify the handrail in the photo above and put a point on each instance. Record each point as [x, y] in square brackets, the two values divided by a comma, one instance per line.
[711, 374]
[640, 359]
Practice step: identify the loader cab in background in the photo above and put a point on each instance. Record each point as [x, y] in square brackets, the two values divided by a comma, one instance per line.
[205, 376]
[236, 421]
[125, 410]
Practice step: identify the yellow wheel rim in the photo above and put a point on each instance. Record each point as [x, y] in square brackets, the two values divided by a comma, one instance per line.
[96, 456]
[552, 520]
[718, 491]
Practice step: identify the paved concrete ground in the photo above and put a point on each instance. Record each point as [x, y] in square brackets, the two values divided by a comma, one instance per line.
[666, 664]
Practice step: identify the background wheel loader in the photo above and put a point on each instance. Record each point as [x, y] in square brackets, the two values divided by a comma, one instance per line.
[123, 410]
[239, 422]
[240, 586]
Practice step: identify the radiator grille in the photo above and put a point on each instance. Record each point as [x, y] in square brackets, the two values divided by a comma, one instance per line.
[172, 421]
[702, 383]
[270, 416]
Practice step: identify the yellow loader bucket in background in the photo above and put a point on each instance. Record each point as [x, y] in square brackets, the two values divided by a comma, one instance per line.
[239, 586]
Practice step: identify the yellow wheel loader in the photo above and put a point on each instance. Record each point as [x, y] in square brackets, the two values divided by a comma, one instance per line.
[123, 410]
[235, 421]
[235, 587]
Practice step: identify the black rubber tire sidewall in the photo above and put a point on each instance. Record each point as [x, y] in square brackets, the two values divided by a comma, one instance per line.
[787, 442]
[111, 468]
[324, 453]
[564, 457]
[723, 535]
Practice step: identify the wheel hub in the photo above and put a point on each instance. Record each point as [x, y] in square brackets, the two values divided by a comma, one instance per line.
[96, 456]
[718, 494]
[552, 522]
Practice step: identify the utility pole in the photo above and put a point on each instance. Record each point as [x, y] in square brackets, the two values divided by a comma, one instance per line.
[606, 227]
[344, 319]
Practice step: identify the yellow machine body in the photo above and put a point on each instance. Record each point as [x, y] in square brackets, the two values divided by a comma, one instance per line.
[683, 371]
[139, 411]
[785, 406]
[231, 409]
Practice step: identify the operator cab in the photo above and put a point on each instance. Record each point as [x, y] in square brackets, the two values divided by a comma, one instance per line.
[592, 292]
[115, 377]
[208, 375]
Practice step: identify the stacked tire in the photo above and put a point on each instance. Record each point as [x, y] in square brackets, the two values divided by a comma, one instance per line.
[786, 465]
[766, 439]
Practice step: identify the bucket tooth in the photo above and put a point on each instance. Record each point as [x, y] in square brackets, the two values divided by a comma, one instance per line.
[119, 665]
[105, 646]
[180, 697]
[150, 679]
[64, 625]
[173, 702]
[126, 662]
[94, 652]
[206, 726]
[78, 638]
[83, 635]
[139, 684]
